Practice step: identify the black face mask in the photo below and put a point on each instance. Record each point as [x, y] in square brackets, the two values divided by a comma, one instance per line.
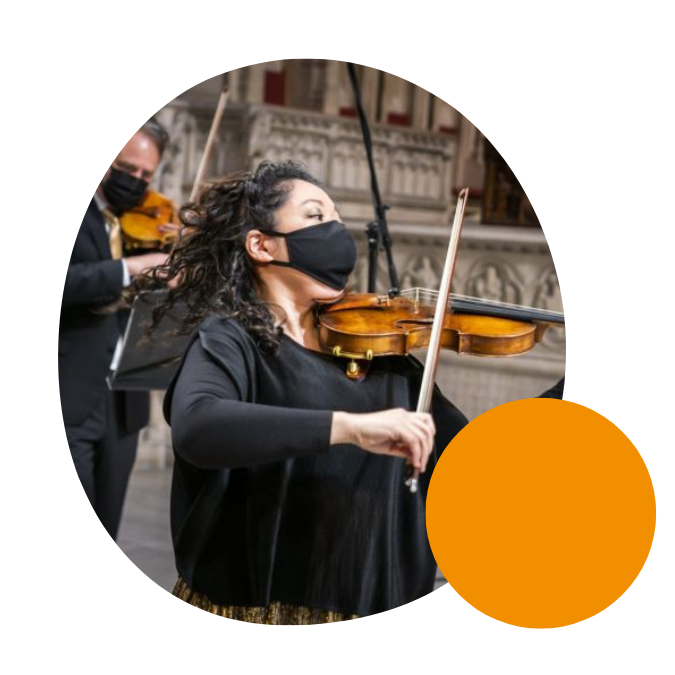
[123, 191]
[325, 252]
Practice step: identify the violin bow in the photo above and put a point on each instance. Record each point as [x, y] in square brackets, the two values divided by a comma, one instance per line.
[215, 123]
[433, 353]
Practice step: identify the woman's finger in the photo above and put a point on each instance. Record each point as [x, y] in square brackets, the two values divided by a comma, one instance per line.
[428, 432]
[413, 439]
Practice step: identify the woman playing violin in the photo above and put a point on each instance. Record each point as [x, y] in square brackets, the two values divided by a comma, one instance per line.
[289, 502]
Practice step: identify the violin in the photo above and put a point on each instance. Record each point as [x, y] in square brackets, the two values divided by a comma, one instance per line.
[141, 226]
[363, 326]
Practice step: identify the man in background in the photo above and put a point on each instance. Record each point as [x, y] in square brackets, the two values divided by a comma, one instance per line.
[102, 426]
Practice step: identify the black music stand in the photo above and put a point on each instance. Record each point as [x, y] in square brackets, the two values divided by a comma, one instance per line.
[149, 363]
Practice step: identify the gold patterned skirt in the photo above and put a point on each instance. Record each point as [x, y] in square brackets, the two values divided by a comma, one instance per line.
[275, 613]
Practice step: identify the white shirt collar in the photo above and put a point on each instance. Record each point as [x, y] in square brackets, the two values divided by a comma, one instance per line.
[100, 200]
[102, 204]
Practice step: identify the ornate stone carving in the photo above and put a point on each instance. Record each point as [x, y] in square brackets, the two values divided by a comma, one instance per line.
[493, 279]
[547, 291]
[410, 165]
[423, 271]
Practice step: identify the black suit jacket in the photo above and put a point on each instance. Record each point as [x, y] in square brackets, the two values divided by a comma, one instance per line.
[87, 339]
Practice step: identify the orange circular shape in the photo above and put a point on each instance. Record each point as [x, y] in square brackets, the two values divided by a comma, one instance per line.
[544, 513]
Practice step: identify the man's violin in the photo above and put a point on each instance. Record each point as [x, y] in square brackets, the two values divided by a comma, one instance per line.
[142, 226]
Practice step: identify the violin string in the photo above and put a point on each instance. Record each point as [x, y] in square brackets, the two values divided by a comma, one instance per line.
[430, 295]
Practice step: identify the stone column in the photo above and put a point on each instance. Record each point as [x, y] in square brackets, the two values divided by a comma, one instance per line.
[397, 99]
[234, 85]
[446, 118]
[332, 87]
[154, 442]
[255, 83]
[370, 84]
[421, 105]
[319, 87]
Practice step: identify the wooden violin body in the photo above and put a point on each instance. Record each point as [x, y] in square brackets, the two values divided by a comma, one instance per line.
[364, 326]
[141, 226]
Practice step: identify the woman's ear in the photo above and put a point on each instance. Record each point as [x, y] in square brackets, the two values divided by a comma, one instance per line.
[259, 247]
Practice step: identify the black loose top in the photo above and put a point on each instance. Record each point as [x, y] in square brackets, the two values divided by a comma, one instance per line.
[263, 509]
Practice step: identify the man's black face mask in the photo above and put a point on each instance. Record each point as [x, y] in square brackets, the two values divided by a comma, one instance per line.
[123, 191]
[325, 252]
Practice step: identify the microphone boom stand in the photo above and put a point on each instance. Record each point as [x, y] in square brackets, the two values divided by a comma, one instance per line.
[377, 231]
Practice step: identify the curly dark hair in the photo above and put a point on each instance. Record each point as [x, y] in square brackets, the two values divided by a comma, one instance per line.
[215, 272]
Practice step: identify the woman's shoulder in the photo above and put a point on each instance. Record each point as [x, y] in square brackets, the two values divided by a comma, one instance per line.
[225, 339]
[220, 324]
[222, 341]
